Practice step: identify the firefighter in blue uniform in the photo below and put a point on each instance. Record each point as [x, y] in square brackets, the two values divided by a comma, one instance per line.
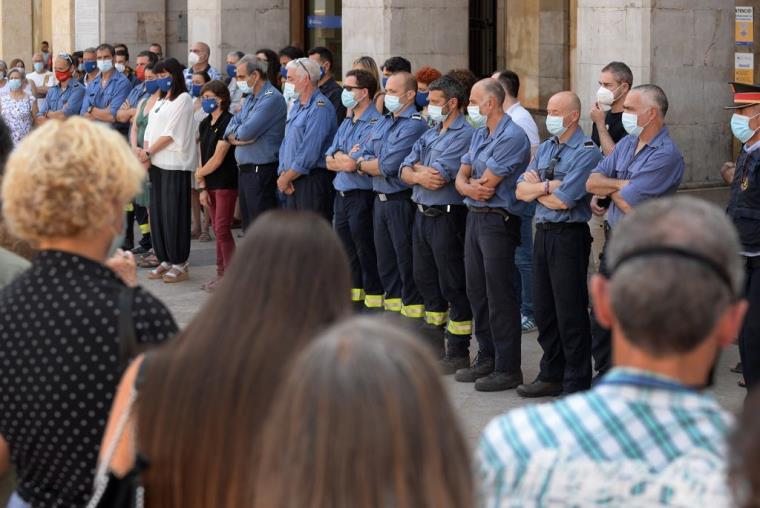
[389, 144]
[439, 223]
[353, 191]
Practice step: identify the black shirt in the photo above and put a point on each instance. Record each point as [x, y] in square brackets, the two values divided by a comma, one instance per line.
[332, 90]
[226, 175]
[59, 370]
[614, 122]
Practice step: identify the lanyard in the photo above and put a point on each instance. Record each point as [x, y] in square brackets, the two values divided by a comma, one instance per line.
[647, 382]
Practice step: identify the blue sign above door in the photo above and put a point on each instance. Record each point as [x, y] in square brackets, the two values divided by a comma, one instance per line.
[323, 22]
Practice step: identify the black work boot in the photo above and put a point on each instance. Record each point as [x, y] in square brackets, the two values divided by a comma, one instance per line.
[450, 364]
[539, 388]
[499, 381]
[481, 367]
[433, 337]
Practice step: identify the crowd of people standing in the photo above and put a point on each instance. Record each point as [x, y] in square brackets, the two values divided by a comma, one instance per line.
[408, 194]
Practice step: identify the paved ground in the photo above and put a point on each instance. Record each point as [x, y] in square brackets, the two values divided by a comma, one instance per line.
[475, 408]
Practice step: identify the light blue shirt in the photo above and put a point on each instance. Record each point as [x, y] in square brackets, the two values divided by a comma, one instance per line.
[577, 157]
[390, 143]
[308, 133]
[112, 96]
[69, 100]
[655, 171]
[443, 152]
[506, 153]
[351, 133]
[261, 119]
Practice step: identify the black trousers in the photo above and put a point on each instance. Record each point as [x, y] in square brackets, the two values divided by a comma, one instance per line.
[560, 303]
[257, 191]
[601, 337]
[438, 261]
[313, 192]
[170, 214]
[489, 258]
[393, 221]
[353, 224]
[749, 337]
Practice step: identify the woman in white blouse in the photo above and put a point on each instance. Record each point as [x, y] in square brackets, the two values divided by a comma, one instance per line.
[169, 145]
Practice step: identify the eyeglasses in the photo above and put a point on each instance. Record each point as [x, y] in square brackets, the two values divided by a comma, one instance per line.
[66, 57]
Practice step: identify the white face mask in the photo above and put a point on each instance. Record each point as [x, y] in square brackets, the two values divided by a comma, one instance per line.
[192, 59]
[120, 67]
[605, 97]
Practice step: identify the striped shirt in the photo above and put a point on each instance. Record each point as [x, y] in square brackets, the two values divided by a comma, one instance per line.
[623, 443]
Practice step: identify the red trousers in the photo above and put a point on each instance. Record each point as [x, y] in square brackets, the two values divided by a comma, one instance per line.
[222, 210]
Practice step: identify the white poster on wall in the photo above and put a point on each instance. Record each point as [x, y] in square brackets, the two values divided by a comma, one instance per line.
[87, 23]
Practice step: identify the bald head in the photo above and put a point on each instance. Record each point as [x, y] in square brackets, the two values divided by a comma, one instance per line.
[490, 89]
[202, 49]
[404, 86]
[405, 80]
[566, 102]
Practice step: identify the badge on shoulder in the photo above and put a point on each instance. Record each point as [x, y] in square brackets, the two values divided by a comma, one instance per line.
[589, 144]
[320, 103]
[416, 116]
[269, 92]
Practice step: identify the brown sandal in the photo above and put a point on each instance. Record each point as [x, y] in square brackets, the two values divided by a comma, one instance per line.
[159, 271]
[149, 261]
[204, 237]
[177, 273]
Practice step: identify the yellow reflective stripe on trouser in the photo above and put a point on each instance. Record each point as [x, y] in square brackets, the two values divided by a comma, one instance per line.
[460, 327]
[413, 311]
[144, 229]
[357, 295]
[436, 318]
[393, 304]
[373, 301]
[129, 207]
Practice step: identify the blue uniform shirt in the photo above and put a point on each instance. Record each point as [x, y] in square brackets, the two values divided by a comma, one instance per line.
[112, 96]
[261, 119]
[655, 171]
[69, 100]
[211, 71]
[352, 133]
[577, 157]
[506, 153]
[391, 142]
[137, 94]
[442, 152]
[308, 133]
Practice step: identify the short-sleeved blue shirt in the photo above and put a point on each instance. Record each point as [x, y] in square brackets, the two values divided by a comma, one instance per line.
[443, 152]
[506, 152]
[69, 100]
[655, 171]
[577, 158]
[261, 119]
[354, 132]
[308, 133]
[390, 143]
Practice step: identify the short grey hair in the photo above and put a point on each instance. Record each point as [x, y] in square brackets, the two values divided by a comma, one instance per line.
[90, 50]
[655, 97]
[492, 88]
[253, 64]
[668, 303]
[20, 70]
[306, 66]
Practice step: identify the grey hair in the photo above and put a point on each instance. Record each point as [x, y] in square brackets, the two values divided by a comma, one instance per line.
[253, 64]
[493, 88]
[308, 66]
[666, 303]
[3, 65]
[20, 70]
[238, 54]
[90, 50]
[655, 97]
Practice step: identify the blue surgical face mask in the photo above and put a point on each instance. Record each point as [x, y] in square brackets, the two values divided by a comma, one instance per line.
[631, 124]
[284, 72]
[164, 84]
[14, 83]
[209, 105]
[243, 86]
[348, 99]
[231, 70]
[436, 113]
[556, 125]
[195, 90]
[38, 66]
[321, 72]
[740, 127]
[289, 92]
[151, 86]
[421, 99]
[478, 120]
[393, 103]
[105, 65]
[385, 80]
[90, 66]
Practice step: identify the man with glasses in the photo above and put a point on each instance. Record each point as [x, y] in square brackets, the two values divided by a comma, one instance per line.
[65, 98]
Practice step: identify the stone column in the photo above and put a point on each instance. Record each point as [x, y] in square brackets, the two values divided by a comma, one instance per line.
[687, 49]
[63, 39]
[429, 32]
[245, 25]
[16, 30]
[135, 23]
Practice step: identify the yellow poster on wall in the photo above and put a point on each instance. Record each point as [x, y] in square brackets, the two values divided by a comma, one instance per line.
[744, 22]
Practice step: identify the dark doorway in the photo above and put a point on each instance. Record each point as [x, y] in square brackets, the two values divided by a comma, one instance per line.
[482, 37]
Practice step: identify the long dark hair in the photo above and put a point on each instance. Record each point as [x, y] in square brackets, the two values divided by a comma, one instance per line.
[173, 67]
[273, 65]
[363, 420]
[206, 395]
